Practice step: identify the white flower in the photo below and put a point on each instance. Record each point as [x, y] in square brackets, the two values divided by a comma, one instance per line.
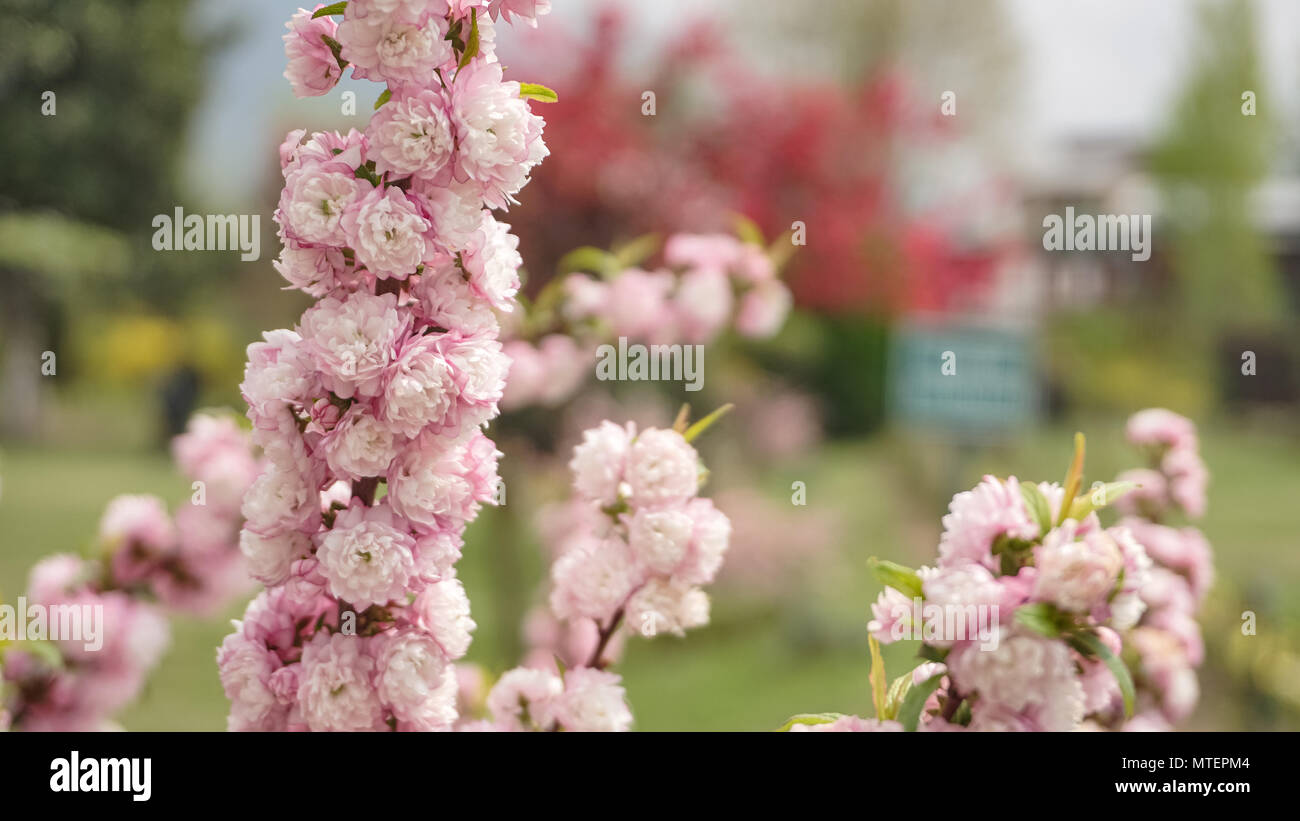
[271, 557]
[280, 499]
[365, 559]
[710, 537]
[659, 538]
[663, 606]
[598, 462]
[522, 689]
[661, 469]
[593, 579]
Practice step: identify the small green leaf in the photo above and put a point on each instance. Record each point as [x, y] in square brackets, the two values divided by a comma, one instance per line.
[590, 259]
[897, 690]
[471, 42]
[1098, 498]
[1043, 618]
[903, 579]
[535, 91]
[877, 677]
[383, 98]
[748, 230]
[1091, 646]
[1037, 505]
[336, 48]
[694, 431]
[809, 718]
[909, 714]
[334, 8]
[46, 651]
[939, 654]
[1073, 478]
[633, 253]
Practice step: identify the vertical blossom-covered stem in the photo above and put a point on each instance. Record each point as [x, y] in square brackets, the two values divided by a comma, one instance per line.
[389, 378]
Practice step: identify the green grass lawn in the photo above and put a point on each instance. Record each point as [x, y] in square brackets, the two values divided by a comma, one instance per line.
[756, 664]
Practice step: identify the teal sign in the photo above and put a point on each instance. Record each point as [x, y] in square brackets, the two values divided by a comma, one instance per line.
[963, 378]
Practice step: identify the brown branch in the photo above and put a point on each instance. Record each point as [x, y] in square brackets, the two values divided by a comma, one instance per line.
[606, 633]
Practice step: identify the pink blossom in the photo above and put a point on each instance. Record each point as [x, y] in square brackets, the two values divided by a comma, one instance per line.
[499, 138]
[411, 135]
[312, 70]
[352, 341]
[662, 469]
[492, 261]
[365, 557]
[385, 229]
[977, 517]
[593, 701]
[387, 41]
[335, 689]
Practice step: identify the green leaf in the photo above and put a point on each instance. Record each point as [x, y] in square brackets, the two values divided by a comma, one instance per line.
[1106, 494]
[909, 714]
[748, 230]
[1037, 505]
[877, 677]
[897, 690]
[809, 718]
[1073, 478]
[694, 431]
[939, 654]
[590, 259]
[383, 98]
[633, 253]
[46, 651]
[903, 579]
[535, 91]
[1043, 618]
[1091, 646]
[334, 8]
[471, 42]
[336, 48]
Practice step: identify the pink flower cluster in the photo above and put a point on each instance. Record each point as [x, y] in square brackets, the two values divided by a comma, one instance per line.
[1032, 601]
[1168, 638]
[1177, 477]
[88, 684]
[580, 700]
[387, 380]
[709, 282]
[655, 542]
[188, 563]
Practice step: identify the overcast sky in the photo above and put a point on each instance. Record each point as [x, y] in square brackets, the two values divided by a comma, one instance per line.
[1094, 67]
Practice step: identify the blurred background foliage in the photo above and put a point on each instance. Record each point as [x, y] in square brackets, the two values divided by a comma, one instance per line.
[830, 119]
